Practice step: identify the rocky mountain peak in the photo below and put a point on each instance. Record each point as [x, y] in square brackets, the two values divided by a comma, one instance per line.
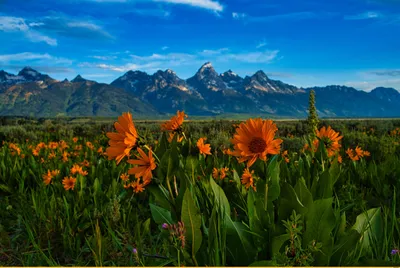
[78, 78]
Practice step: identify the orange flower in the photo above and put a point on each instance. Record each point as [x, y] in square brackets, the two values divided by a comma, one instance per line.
[41, 145]
[14, 148]
[137, 187]
[124, 177]
[52, 155]
[100, 150]
[89, 145]
[78, 148]
[254, 139]
[285, 156]
[42, 160]
[65, 156]
[340, 159]
[78, 169]
[171, 137]
[219, 173]
[47, 177]
[330, 138]
[55, 172]
[359, 152]
[69, 183]
[146, 164]
[124, 140]
[85, 163]
[247, 179]
[203, 148]
[63, 145]
[352, 155]
[75, 139]
[53, 145]
[35, 152]
[175, 122]
[227, 151]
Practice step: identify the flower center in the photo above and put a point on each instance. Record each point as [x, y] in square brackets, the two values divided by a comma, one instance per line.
[257, 145]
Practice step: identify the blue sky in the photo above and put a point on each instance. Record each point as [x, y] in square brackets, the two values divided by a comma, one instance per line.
[305, 43]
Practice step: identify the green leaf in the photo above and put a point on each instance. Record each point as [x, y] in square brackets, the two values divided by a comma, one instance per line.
[220, 199]
[344, 247]
[277, 243]
[303, 193]
[160, 215]
[320, 222]
[274, 189]
[240, 243]
[192, 219]
[370, 226]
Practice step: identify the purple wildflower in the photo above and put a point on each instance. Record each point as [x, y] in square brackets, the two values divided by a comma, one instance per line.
[395, 251]
[165, 226]
[134, 250]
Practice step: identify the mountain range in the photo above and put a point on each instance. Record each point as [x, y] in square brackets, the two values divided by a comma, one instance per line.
[207, 93]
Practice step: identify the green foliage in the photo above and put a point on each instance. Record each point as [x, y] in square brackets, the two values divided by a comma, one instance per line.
[308, 211]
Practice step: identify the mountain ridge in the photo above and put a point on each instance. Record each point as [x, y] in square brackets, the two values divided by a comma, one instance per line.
[206, 93]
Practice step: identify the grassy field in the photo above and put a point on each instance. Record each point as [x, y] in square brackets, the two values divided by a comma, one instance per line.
[199, 192]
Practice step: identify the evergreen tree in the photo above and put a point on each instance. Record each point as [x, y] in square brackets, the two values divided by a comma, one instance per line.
[312, 120]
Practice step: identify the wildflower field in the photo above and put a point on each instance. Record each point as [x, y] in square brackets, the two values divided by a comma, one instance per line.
[215, 193]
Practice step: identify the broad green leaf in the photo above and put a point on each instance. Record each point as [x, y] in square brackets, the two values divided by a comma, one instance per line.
[240, 243]
[191, 217]
[319, 223]
[160, 215]
[370, 226]
[277, 243]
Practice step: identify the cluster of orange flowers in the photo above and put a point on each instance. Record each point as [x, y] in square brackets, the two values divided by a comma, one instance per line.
[285, 156]
[121, 144]
[14, 149]
[357, 153]
[219, 173]
[395, 132]
[68, 182]
[47, 177]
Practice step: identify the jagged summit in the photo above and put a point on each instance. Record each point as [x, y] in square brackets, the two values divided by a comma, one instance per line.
[78, 78]
[29, 73]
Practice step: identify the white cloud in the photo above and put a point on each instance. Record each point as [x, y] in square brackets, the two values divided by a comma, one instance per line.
[252, 57]
[104, 57]
[164, 48]
[15, 24]
[35, 24]
[169, 60]
[128, 67]
[208, 52]
[370, 85]
[24, 57]
[364, 16]
[262, 44]
[88, 26]
[206, 4]
[237, 16]
[36, 37]
[12, 24]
